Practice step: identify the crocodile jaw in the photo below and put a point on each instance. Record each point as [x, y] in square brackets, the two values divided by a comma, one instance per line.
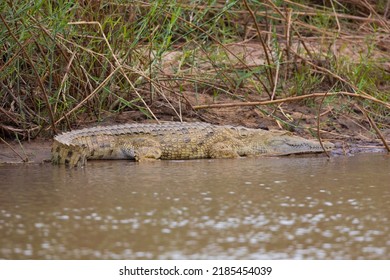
[280, 144]
[285, 145]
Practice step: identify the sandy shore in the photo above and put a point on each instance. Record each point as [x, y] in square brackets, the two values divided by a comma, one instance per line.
[37, 151]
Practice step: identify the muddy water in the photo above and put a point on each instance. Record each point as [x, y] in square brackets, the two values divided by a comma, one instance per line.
[274, 208]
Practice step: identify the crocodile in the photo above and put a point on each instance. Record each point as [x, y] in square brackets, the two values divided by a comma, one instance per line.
[176, 141]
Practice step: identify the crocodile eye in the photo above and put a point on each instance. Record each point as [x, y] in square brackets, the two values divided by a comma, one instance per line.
[243, 132]
[276, 142]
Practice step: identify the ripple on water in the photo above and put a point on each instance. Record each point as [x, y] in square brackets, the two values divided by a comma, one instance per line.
[254, 209]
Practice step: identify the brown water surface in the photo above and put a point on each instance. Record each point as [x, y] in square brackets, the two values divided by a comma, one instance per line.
[269, 208]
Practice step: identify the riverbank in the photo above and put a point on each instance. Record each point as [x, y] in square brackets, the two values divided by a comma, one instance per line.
[38, 151]
[317, 70]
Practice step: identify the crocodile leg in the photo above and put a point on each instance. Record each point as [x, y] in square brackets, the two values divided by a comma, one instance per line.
[140, 149]
[71, 156]
[222, 150]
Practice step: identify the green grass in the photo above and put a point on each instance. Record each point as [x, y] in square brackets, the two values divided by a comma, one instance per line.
[69, 61]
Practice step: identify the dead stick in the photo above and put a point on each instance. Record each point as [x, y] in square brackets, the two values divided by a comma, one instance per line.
[373, 124]
[318, 125]
[5, 142]
[290, 99]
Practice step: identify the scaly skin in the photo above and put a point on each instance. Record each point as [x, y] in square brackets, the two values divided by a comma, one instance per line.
[175, 140]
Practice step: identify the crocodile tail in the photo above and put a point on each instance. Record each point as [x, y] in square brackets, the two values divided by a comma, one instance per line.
[70, 155]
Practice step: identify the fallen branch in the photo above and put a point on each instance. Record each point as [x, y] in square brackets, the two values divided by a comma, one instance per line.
[291, 99]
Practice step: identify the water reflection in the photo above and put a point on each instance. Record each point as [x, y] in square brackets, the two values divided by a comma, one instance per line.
[274, 208]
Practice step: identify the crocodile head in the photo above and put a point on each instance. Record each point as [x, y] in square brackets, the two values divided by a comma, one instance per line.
[279, 143]
[286, 144]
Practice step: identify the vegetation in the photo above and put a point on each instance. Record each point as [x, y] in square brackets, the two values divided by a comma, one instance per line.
[69, 62]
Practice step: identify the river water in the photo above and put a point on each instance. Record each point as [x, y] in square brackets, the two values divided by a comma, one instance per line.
[267, 208]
